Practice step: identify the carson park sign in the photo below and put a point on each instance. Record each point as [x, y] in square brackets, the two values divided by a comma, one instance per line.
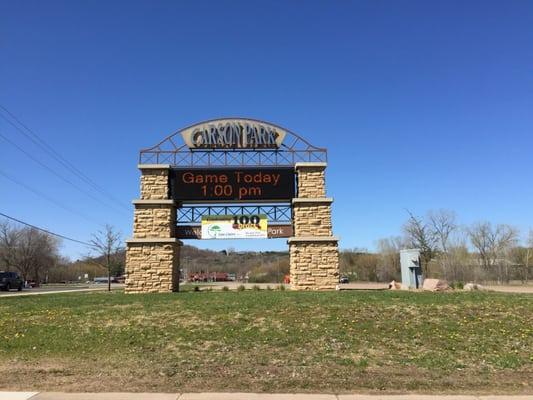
[233, 178]
[234, 134]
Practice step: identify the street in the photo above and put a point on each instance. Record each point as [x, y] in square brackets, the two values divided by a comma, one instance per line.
[60, 289]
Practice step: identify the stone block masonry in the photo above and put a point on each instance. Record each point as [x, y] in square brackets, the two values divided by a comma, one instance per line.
[154, 181]
[151, 267]
[314, 253]
[314, 264]
[311, 180]
[152, 256]
[154, 220]
[312, 217]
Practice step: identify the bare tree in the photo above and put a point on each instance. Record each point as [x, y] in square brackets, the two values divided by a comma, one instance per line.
[28, 250]
[420, 235]
[442, 224]
[492, 244]
[8, 243]
[389, 258]
[107, 243]
[459, 259]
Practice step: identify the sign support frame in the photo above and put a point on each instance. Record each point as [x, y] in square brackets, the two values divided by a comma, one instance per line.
[313, 250]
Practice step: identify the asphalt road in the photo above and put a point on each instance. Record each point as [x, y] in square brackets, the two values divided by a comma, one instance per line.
[60, 289]
[234, 285]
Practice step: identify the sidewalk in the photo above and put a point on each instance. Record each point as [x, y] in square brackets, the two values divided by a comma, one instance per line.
[243, 396]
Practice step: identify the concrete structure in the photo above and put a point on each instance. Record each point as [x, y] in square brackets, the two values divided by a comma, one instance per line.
[411, 268]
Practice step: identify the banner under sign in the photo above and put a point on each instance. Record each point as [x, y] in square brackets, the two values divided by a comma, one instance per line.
[195, 231]
[234, 227]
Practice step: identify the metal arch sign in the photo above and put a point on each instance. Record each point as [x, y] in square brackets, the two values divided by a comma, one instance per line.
[233, 133]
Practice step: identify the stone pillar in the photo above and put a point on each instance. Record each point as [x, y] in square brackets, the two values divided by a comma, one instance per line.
[313, 250]
[152, 256]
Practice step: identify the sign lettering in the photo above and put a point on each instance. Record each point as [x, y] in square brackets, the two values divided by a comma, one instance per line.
[232, 184]
[233, 134]
[195, 231]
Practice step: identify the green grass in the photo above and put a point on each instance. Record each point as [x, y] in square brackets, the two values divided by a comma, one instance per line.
[268, 341]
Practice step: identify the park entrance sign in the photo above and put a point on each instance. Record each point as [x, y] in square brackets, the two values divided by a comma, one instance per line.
[232, 178]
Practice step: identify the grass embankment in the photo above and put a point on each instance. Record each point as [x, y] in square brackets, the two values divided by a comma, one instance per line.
[268, 341]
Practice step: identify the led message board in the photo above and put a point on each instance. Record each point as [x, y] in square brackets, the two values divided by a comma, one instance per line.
[232, 184]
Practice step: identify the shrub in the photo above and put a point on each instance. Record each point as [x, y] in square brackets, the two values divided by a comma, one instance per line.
[241, 288]
[196, 288]
[225, 289]
[256, 287]
[457, 285]
[281, 287]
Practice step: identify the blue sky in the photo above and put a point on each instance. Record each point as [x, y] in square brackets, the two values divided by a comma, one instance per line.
[422, 105]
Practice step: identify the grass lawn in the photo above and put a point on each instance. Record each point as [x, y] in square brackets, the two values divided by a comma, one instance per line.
[277, 341]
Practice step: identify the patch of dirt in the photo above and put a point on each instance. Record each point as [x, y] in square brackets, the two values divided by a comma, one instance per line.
[128, 375]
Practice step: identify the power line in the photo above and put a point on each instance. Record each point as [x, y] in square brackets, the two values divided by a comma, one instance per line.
[37, 140]
[52, 171]
[50, 199]
[47, 231]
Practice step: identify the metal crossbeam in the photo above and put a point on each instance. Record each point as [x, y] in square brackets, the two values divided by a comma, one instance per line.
[275, 213]
[212, 158]
[295, 149]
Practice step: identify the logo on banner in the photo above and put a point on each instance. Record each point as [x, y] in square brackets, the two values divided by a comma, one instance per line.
[235, 227]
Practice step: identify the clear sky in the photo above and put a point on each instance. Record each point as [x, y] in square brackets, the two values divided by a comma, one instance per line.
[421, 104]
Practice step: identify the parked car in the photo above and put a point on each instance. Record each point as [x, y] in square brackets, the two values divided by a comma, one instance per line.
[10, 280]
[344, 279]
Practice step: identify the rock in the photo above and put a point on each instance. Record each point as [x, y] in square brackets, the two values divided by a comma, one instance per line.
[435, 285]
[395, 286]
[473, 286]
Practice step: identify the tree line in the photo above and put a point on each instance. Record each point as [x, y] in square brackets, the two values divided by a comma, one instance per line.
[479, 252]
[35, 255]
[32, 253]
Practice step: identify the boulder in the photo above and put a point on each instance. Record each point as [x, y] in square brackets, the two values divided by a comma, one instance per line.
[473, 286]
[435, 285]
[395, 286]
